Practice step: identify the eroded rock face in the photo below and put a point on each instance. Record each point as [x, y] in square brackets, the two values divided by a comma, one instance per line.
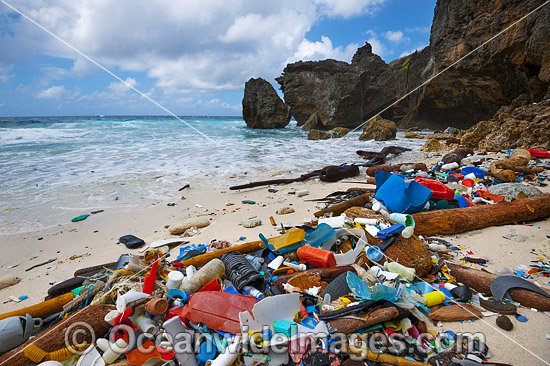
[527, 126]
[262, 107]
[518, 62]
[379, 129]
[340, 94]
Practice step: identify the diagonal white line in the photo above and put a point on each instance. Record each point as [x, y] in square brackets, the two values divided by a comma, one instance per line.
[478, 318]
[444, 70]
[105, 69]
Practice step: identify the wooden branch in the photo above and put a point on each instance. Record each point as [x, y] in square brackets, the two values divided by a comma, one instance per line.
[383, 358]
[350, 325]
[201, 260]
[377, 158]
[481, 282]
[301, 178]
[42, 309]
[460, 220]
[53, 339]
[338, 208]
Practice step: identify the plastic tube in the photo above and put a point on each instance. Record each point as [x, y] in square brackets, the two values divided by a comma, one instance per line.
[365, 221]
[276, 263]
[210, 271]
[127, 298]
[240, 272]
[115, 350]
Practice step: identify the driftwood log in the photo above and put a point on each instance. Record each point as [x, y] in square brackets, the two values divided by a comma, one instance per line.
[42, 309]
[481, 282]
[94, 269]
[378, 158]
[338, 208]
[506, 170]
[331, 173]
[365, 320]
[53, 339]
[392, 167]
[455, 313]
[460, 220]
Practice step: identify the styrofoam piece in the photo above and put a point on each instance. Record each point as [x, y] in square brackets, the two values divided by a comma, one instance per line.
[336, 222]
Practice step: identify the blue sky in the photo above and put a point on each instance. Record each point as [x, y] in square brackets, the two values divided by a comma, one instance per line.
[192, 57]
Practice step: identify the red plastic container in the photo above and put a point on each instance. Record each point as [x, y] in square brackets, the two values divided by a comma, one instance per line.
[440, 190]
[316, 257]
[539, 153]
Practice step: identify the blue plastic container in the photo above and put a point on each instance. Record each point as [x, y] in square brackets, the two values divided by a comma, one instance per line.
[400, 196]
[479, 173]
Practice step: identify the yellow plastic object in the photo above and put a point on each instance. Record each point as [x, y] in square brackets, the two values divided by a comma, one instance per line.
[434, 298]
[36, 354]
[393, 325]
[292, 236]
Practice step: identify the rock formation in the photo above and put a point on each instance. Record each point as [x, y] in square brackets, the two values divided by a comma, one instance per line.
[527, 126]
[341, 94]
[517, 63]
[379, 129]
[262, 107]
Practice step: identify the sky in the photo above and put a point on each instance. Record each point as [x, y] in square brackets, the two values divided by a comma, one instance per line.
[188, 57]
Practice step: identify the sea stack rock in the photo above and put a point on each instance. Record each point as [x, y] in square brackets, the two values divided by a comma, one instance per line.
[262, 107]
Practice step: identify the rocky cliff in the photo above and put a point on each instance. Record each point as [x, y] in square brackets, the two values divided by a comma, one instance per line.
[515, 64]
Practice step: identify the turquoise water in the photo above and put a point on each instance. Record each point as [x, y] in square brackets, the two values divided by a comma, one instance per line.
[56, 165]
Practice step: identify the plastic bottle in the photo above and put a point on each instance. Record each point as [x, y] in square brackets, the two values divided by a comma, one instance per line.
[210, 271]
[316, 257]
[437, 247]
[254, 292]
[302, 192]
[406, 272]
[449, 166]
[434, 298]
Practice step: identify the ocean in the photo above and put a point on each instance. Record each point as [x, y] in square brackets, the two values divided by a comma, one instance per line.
[52, 167]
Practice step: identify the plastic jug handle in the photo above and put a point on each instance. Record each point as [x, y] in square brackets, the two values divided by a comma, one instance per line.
[262, 237]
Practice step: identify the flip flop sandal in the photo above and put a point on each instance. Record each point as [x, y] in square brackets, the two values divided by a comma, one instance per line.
[498, 306]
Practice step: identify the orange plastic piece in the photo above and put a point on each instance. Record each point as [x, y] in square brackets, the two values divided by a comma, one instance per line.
[316, 257]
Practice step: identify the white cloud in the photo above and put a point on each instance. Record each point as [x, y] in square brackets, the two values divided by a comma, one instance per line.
[347, 8]
[395, 36]
[54, 92]
[5, 74]
[122, 87]
[193, 45]
[320, 50]
[377, 46]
